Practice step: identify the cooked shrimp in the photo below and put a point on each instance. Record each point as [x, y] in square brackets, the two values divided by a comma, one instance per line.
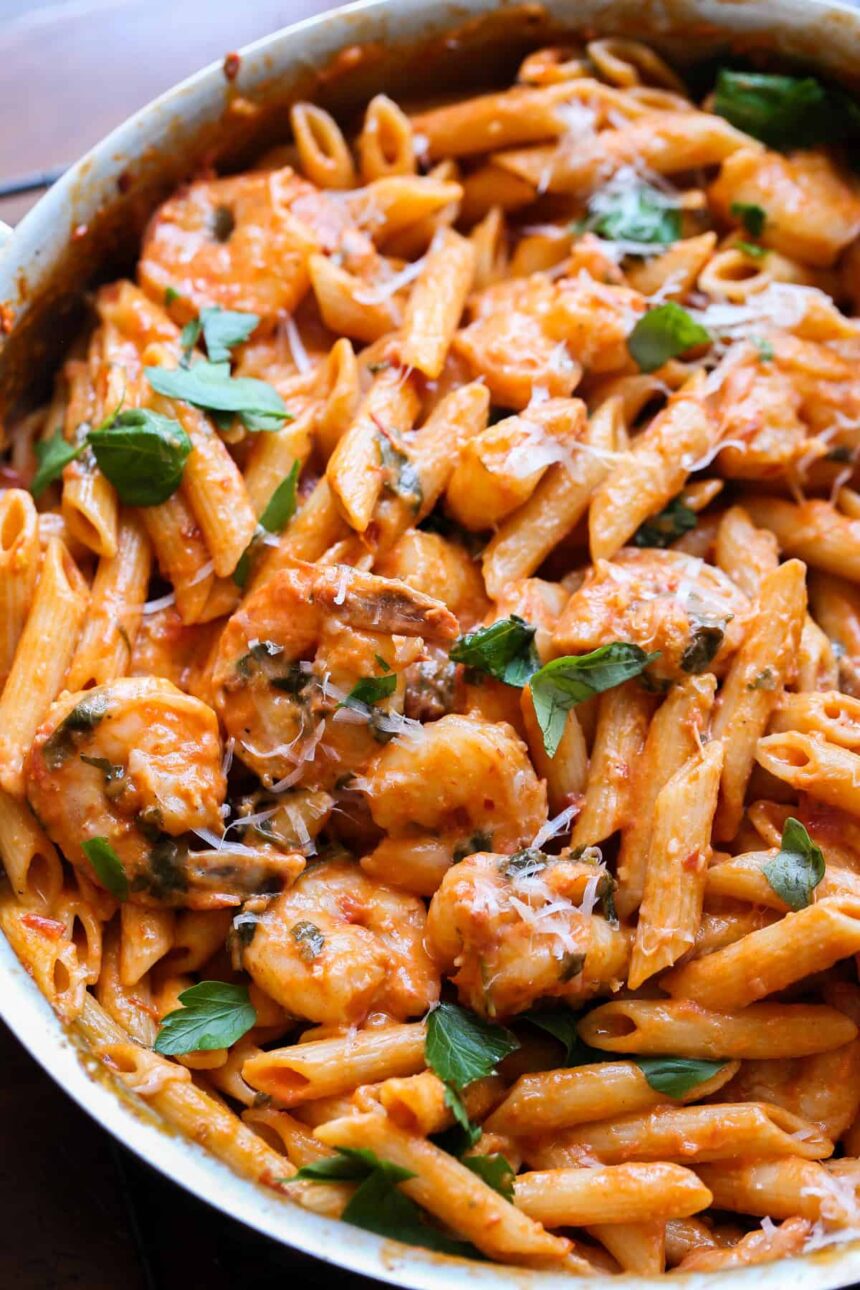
[513, 929]
[338, 945]
[215, 242]
[438, 568]
[138, 763]
[661, 600]
[292, 653]
[462, 781]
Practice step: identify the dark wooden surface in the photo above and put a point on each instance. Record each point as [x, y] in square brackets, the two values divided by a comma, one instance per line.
[78, 1211]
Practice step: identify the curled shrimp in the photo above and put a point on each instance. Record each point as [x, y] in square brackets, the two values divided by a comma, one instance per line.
[291, 655]
[513, 929]
[138, 764]
[461, 784]
[215, 241]
[339, 945]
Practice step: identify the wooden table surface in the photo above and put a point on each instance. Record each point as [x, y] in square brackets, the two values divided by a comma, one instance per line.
[78, 1211]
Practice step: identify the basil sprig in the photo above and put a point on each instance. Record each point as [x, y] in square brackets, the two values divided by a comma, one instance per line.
[504, 650]
[797, 868]
[663, 333]
[564, 682]
[142, 454]
[222, 330]
[214, 1015]
[210, 386]
[461, 1048]
[107, 866]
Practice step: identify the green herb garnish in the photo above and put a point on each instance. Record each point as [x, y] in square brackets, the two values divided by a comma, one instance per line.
[564, 682]
[797, 868]
[664, 333]
[214, 1015]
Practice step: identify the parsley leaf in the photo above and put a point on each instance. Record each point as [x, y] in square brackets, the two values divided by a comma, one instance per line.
[352, 1163]
[702, 649]
[564, 682]
[752, 217]
[782, 111]
[142, 454]
[223, 329]
[494, 1170]
[210, 386]
[461, 1047]
[664, 333]
[467, 1133]
[666, 526]
[642, 214]
[675, 1076]
[215, 1014]
[504, 650]
[53, 455]
[107, 865]
[798, 867]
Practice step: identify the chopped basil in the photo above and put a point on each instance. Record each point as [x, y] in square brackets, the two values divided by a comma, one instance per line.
[210, 386]
[142, 454]
[675, 1076]
[352, 1164]
[664, 333]
[369, 690]
[279, 510]
[107, 865]
[113, 774]
[504, 650]
[751, 216]
[83, 717]
[764, 680]
[564, 682]
[309, 940]
[171, 295]
[784, 111]
[641, 214]
[571, 966]
[495, 1171]
[764, 347]
[524, 864]
[214, 1015]
[751, 249]
[798, 867]
[479, 841]
[401, 475]
[670, 523]
[53, 455]
[702, 649]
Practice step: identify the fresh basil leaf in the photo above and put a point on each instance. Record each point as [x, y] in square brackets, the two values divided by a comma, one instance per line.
[210, 386]
[281, 506]
[783, 111]
[564, 682]
[214, 1015]
[107, 865]
[494, 1170]
[309, 940]
[142, 454]
[558, 1022]
[461, 1047]
[504, 650]
[664, 333]
[702, 649]
[352, 1163]
[379, 1206]
[188, 338]
[670, 523]
[752, 249]
[53, 455]
[675, 1076]
[752, 217]
[223, 329]
[641, 214]
[369, 690]
[797, 868]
